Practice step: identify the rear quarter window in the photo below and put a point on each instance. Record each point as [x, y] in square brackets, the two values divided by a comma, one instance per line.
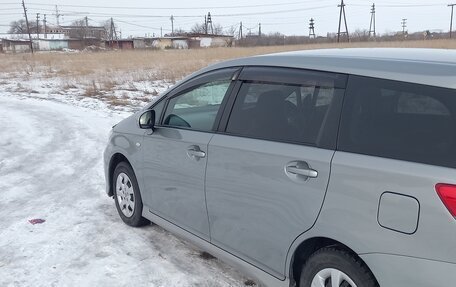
[399, 120]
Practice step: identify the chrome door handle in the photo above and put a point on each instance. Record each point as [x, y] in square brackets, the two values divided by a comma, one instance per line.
[308, 172]
[195, 152]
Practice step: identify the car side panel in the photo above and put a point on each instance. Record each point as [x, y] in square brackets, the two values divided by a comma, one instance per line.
[350, 211]
[255, 210]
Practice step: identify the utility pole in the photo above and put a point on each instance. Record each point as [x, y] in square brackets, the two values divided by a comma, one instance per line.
[37, 26]
[312, 28]
[205, 24]
[372, 22]
[209, 22]
[342, 12]
[404, 25]
[259, 29]
[113, 34]
[161, 32]
[57, 15]
[172, 25]
[44, 25]
[28, 27]
[240, 31]
[451, 20]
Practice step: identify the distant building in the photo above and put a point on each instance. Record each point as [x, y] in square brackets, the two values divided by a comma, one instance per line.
[81, 37]
[51, 44]
[122, 44]
[84, 32]
[208, 40]
[190, 41]
[15, 46]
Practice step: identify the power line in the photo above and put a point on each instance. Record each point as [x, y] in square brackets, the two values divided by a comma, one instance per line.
[141, 26]
[94, 14]
[272, 12]
[179, 8]
[74, 13]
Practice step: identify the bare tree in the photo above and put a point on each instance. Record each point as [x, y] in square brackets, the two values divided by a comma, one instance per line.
[20, 27]
[231, 31]
[198, 28]
[179, 32]
[360, 35]
[218, 29]
[201, 29]
[80, 30]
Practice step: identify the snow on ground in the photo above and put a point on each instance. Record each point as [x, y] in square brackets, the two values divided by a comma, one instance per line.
[51, 144]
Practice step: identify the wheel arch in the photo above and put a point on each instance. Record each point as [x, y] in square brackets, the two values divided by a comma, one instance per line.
[115, 160]
[306, 248]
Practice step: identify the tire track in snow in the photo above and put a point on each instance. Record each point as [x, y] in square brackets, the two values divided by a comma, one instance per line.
[51, 168]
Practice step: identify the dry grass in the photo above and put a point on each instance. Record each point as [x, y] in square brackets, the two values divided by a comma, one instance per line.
[157, 65]
[115, 76]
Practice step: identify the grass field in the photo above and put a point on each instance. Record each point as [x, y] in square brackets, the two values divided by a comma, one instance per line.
[167, 64]
[97, 73]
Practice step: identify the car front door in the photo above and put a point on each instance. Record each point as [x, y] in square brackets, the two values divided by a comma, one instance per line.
[269, 169]
[175, 153]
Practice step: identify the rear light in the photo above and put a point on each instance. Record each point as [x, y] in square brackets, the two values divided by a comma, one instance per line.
[447, 193]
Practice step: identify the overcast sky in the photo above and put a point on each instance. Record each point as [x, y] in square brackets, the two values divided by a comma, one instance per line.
[290, 17]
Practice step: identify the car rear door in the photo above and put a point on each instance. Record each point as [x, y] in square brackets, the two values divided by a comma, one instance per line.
[175, 154]
[270, 163]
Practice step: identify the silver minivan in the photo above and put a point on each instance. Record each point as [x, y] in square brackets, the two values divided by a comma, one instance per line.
[317, 168]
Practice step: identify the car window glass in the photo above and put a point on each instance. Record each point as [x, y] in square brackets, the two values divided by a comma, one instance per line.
[197, 108]
[399, 120]
[281, 112]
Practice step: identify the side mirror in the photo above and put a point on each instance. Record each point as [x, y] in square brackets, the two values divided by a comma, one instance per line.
[147, 120]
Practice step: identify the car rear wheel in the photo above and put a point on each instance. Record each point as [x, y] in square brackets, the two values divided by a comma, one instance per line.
[127, 196]
[335, 267]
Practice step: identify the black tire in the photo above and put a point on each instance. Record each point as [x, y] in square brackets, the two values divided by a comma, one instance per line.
[340, 259]
[135, 219]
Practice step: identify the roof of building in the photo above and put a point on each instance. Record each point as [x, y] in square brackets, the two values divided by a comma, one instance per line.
[203, 35]
[84, 27]
[435, 67]
[33, 36]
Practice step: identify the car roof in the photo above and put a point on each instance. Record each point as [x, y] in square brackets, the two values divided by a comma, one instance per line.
[435, 67]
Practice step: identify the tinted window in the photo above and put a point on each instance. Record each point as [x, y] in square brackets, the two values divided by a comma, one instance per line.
[293, 113]
[197, 108]
[158, 108]
[399, 120]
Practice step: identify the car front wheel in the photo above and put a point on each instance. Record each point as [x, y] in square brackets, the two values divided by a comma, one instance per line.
[127, 196]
